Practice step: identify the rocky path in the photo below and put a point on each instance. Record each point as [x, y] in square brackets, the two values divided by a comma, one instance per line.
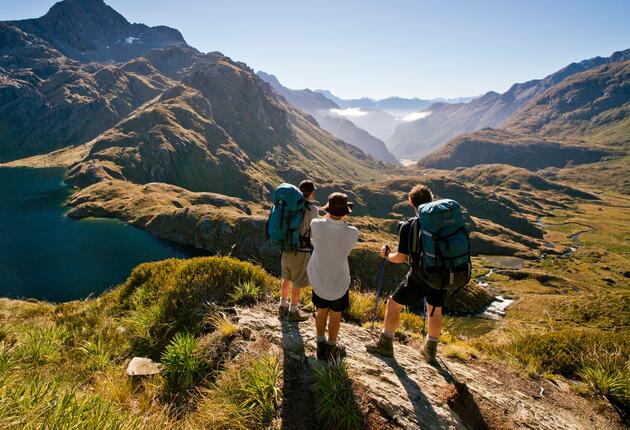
[411, 394]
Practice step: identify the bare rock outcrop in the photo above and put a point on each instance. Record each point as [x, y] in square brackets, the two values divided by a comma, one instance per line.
[411, 394]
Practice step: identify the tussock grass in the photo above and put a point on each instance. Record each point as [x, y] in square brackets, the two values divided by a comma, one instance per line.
[246, 395]
[97, 355]
[164, 298]
[35, 403]
[336, 401]
[182, 368]
[224, 325]
[245, 293]
[42, 345]
[411, 322]
[361, 307]
[461, 350]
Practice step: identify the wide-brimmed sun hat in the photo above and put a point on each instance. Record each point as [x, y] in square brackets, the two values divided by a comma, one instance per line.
[338, 204]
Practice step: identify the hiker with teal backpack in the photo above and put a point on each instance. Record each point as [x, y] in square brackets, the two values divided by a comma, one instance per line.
[436, 245]
[289, 229]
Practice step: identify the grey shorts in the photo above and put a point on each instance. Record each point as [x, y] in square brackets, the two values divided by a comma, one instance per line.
[293, 267]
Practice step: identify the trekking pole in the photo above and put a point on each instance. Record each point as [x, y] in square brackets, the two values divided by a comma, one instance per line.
[378, 291]
[424, 317]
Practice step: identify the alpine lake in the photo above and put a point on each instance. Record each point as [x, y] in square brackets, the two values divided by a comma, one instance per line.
[46, 255]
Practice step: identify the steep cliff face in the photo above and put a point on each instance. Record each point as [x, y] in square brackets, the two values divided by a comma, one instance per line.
[201, 121]
[583, 104]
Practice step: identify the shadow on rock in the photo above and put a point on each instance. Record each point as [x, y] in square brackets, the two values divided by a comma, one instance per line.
[298, 402]
[423, 409]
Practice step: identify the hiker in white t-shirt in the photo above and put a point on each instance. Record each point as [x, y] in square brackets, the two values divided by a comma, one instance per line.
[329, 273]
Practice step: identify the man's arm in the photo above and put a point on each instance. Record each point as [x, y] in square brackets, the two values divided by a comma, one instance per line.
[393, 257]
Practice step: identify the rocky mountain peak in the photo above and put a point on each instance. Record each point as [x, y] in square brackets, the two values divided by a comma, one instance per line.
[90, 30]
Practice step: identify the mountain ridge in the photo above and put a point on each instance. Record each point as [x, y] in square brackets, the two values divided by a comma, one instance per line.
[418, 138]
[585, 114]
[103, 34]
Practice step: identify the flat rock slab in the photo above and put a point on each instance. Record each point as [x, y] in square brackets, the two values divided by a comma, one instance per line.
[415, 395]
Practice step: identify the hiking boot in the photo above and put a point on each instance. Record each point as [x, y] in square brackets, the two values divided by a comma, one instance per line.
[283, 312]
[335, 351]
[384, 346]
[322, 350]
[429, 351]
[296, 315]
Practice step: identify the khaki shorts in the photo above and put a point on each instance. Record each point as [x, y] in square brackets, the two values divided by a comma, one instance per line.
[293, 267]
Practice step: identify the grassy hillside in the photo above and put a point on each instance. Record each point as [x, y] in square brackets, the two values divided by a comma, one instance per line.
[505, 147]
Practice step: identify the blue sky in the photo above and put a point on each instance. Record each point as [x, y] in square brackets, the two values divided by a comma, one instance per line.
[381, 48]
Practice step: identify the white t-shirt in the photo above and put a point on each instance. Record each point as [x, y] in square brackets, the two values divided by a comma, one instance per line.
[328, 269]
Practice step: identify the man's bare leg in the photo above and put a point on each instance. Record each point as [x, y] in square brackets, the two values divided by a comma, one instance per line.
[429, 349]
[385, 344]
[295, 296]
[320, 327]
[320, 322]
[435, 322]
[334, 322]
[392, 317]
[285, 285]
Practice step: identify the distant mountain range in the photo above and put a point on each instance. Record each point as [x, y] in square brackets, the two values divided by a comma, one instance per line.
[381, 117]
[322, 109]
[393, 105]
[415, 139]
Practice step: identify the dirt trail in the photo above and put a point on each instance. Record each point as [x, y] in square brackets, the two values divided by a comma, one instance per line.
[411, 394]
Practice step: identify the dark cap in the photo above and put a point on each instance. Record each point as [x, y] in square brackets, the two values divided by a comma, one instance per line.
[307, 186]
[338, 204]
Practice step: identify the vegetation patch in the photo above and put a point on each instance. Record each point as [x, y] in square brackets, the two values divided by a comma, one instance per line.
[336, 401]
[601, 359]
[246, 395]
[164, 298]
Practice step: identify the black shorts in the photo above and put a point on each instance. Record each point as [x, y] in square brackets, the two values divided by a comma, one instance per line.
[412, 290]
[339, 305]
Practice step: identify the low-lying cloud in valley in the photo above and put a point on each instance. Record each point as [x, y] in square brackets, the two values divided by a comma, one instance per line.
[349, 112]
[413, 116]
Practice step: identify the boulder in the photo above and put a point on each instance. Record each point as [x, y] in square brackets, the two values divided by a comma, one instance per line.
[142, 366]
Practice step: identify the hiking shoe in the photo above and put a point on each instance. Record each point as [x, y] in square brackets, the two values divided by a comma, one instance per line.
[296, 315]
[384, 346]
[335, 351]
[283, 312]
[322, 350]
[429, 351]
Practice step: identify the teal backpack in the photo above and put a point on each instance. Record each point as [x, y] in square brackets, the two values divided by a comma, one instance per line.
[285, 218]
[439, 235]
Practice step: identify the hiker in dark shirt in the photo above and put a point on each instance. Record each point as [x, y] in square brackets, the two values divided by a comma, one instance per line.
[412, 291]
